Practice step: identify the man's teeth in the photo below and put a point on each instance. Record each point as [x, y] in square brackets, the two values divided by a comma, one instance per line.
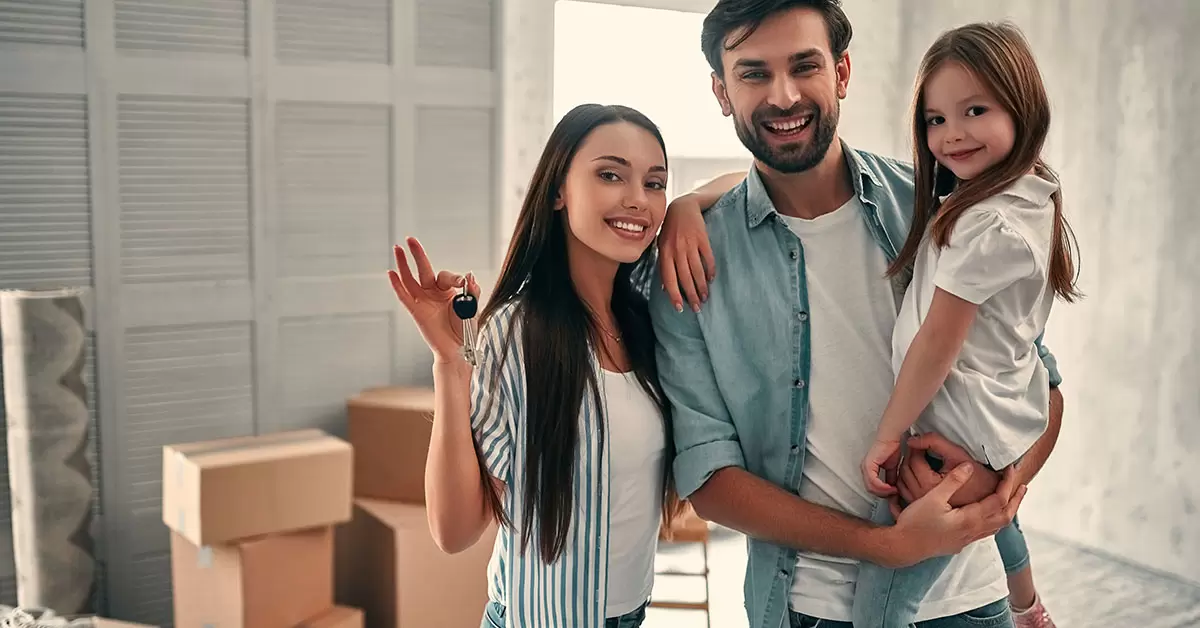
[790, 125]
[627, 226]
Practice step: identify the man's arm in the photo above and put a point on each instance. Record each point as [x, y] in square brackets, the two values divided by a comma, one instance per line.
[1033, 461]
[917, 478]
[710, 472]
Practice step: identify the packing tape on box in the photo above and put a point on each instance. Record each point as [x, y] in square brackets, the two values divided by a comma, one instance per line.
[204, 557]
[178, 463]
[251, 442]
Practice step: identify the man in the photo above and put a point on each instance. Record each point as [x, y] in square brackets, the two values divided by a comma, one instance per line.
[779, 381]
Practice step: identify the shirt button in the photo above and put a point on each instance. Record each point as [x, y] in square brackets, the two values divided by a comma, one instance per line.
[803, 316]
[794, 254]
[795, 449]
[782, 574]
[799, 383]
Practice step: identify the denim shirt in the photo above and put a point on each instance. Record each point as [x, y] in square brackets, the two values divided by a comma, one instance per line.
[737, 372]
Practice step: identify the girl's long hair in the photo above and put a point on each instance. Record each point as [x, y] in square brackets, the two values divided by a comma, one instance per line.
[559, 334]
[1000, 58]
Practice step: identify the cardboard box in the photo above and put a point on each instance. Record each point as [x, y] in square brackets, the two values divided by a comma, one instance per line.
[339, 617]
[224, 490]
[103, 622]
[389, 566]
[390, 430]
[273, 581]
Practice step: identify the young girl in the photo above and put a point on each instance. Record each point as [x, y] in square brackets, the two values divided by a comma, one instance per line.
[989, 249]
[560, 429]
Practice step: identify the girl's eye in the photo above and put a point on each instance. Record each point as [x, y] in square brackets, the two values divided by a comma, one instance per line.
[609, 175]
[934, 120]
[656, 185]
[977, 110]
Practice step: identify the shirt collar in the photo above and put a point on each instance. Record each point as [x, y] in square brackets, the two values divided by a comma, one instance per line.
[1032, 189]
[758, 203]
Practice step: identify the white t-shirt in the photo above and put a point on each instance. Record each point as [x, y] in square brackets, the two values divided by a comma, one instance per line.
[852, 313]
[995, 401]
[637, 445]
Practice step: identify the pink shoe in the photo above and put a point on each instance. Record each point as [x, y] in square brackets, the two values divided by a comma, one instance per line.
[1034, 617]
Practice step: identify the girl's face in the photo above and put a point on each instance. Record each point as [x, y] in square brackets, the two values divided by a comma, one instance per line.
[966, 128]
[614, 194]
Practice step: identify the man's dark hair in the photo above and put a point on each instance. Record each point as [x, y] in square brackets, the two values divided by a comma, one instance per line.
[730, 15]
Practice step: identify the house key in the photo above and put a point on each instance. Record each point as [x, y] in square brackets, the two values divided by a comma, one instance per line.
[465, 306]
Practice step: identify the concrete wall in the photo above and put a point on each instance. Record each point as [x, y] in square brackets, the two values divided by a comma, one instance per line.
[1126, 140]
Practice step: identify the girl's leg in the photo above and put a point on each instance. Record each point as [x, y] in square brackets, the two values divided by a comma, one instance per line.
[1015, 554]
[1028, 611]
[1021, 593]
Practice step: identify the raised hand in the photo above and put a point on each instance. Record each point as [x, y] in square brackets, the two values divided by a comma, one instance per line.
[428, 297]
[685, 258]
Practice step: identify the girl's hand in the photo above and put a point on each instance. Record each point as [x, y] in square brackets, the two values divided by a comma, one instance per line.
[428, 301]
[685, 257]
[884, 454]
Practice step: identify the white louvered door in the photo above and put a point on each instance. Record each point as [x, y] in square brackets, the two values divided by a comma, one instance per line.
[45, 222]
[229, 176]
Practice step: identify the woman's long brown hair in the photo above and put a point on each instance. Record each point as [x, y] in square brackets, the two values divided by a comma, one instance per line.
[1000, 58]
[558, 335]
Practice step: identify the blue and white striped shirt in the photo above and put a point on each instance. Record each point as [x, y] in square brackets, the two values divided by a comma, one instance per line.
[572, 590]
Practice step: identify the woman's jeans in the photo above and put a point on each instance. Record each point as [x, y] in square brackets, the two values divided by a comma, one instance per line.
[493, 617]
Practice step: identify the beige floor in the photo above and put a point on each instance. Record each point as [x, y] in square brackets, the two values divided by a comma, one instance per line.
[1082, 589]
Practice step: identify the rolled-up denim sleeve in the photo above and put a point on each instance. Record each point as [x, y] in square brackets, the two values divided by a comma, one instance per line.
[1050, 363]
[705, 437]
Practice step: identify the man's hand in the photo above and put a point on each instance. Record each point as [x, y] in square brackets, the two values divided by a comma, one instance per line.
[931, 527]
[917, 477]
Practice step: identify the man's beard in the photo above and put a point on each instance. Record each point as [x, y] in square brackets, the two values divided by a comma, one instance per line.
[792, 157]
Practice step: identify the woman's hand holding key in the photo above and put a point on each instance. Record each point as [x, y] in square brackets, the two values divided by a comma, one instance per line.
[429, 299]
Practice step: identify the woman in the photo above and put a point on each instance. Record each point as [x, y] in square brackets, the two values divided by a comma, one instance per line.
[560, 431]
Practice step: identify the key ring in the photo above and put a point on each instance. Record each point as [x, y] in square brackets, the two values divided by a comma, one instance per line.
[465, 307]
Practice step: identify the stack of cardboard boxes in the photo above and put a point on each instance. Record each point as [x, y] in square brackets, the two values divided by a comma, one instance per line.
[256, 540]
[252, 537]
[387, 562]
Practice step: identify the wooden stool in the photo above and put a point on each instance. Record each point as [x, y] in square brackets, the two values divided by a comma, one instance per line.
[688, 527]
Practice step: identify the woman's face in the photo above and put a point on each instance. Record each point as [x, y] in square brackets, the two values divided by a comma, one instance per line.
[614, 194]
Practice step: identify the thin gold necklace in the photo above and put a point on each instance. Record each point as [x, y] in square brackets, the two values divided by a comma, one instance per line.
[608, 333]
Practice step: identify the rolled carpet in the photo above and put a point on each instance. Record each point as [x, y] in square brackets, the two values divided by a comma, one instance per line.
[43, 335]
